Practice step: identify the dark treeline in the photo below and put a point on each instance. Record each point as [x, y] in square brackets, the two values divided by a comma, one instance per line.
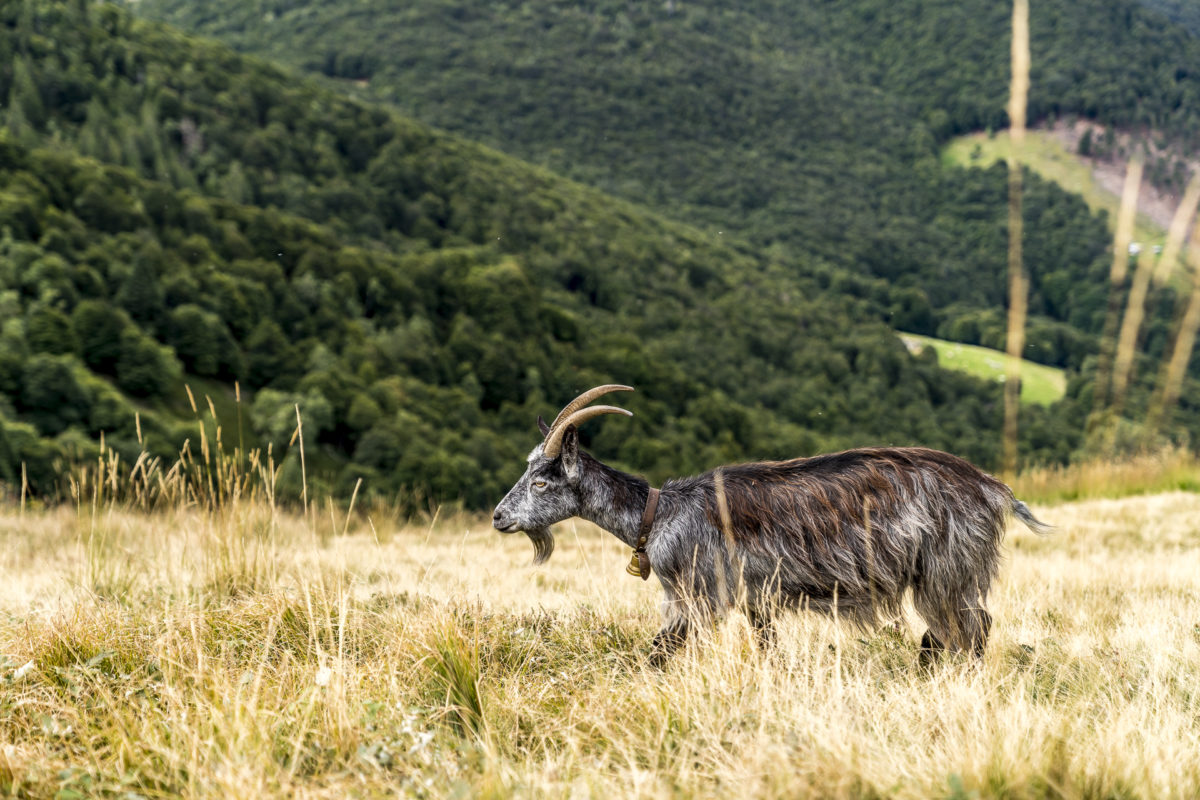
[1185, 12]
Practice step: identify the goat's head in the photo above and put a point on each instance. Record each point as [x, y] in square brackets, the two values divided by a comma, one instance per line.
[549, 490]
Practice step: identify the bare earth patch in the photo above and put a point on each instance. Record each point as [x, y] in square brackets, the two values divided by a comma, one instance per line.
[1156, 204]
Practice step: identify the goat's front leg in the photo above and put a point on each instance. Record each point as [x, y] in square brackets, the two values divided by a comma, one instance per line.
[674, 632]
[672, 636]
[763, 625]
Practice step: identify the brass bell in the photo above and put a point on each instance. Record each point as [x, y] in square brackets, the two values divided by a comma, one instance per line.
[635, 566]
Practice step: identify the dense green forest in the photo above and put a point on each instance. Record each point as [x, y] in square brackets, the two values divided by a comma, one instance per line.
[171, 212]
[810, 129]
[1185, 12]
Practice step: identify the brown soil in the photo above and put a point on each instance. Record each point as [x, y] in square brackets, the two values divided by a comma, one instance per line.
[1156, 204]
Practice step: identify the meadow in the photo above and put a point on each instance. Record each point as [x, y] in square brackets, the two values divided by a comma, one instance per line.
[1040, 384]
[184, 642]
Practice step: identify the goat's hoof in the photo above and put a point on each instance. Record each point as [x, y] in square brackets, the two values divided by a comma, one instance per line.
[659, 657]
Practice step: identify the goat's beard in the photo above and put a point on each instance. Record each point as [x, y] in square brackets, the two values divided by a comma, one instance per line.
[543, 543]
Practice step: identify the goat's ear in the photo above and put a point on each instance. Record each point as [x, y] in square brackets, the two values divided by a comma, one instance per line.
[570, 452]
[542, 426]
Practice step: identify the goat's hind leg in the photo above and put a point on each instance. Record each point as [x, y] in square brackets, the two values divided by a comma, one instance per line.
[976, 623]
[958, 621]
[762, 611]
[931, 647]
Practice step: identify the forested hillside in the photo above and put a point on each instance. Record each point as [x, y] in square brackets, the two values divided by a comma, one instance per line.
[1185, 12]
[808, 128]
[173, 212]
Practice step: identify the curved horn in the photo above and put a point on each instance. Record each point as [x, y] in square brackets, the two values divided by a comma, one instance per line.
[585, 398]
[554, 439]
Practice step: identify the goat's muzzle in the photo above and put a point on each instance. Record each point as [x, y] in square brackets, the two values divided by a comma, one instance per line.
[503, 523]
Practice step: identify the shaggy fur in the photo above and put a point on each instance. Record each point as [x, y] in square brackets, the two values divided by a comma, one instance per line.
[847, 533]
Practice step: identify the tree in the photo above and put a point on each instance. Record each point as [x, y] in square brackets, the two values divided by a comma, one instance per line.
[25, 95]
[141, 294]
[144, 367]
[99, 327]
[50, 394]
[268, 354]
[48, 330]
[203, 343]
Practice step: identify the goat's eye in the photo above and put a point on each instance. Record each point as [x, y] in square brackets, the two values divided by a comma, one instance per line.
[539, 484]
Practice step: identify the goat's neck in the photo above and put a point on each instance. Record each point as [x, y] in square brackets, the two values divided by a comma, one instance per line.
[612, 499]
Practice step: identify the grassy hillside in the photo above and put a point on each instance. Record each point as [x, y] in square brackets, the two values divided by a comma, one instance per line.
[256, 653]
[170, 208]
[1039, 384]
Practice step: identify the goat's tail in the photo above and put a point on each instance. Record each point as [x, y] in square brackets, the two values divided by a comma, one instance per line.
[1022, 512]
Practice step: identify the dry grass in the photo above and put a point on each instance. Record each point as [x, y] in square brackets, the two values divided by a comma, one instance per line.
[235, 651]
[1163, 471]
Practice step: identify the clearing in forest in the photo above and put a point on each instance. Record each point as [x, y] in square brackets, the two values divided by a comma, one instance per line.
[1050, 153]
[1040, 384]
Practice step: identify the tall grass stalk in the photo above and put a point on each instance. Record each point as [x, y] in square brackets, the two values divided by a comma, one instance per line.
[1017, 289]
[1177, 232]
[1147, 268]
[303, 466]
[1170, 383]
[1116, 279]
[1131, 323]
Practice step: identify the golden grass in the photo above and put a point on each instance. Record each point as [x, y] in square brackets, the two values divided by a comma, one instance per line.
[1148, 473]
[238, 651]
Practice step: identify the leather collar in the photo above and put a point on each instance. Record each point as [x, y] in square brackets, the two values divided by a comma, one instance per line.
[639, 565]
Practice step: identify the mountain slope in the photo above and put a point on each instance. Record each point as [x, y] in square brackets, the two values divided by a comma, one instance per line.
[421, 298]
[1185, 12]
[809, 128]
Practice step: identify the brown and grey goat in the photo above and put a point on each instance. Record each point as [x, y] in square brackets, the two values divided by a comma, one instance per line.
[846, 533]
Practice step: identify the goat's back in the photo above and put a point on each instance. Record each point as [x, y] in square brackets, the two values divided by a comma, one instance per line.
[861, 524]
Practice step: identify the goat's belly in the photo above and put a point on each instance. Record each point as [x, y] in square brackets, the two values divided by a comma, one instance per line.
[820, 593]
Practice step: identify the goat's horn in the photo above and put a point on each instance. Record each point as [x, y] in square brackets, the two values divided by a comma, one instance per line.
[554, 439]
[585, 398]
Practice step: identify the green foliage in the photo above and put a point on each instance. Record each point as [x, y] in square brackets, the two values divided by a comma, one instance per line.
[52, 395]
[203, 343]
[99, 326]
[422, 299]
[1185, 12]
[20, 444]
[809, 128]
[144, 367]
[48, 330]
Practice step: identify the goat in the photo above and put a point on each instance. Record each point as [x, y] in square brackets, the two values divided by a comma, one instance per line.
[845, 533]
